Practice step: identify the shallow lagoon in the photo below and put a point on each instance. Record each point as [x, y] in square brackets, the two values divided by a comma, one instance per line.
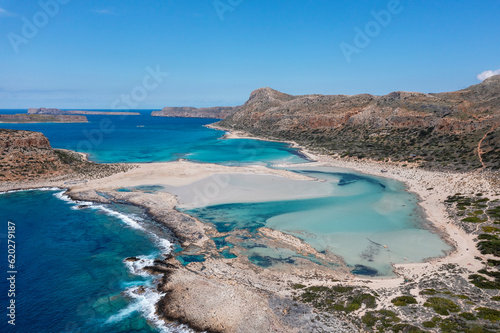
[370, 222]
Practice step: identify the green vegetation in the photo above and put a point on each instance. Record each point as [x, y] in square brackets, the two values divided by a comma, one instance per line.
[429, 324]
[491, 246]
[403, 300]
[490, 230]
[488, 314]
[443, 306]
[474, 219]
[428, 292]
[337, 298]
[386, 319]
[407, 328]
[467, 316]
[483, 283]
[298, 286]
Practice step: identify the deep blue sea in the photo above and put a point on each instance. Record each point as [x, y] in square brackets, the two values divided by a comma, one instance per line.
[72, 275]
[109, 139]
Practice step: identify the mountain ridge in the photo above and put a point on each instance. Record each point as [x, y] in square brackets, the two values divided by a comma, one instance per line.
[430, 129]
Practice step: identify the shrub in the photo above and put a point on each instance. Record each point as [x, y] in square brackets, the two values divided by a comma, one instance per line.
[443, 306]
[467, 316]
[488, 314]
[403, 300]
[482, 282]
[298, 286]
[473, 219]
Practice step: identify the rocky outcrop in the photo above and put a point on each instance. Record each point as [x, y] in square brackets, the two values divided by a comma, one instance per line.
[28, 155]
[217, 112]
[434, 130]
[41, 118]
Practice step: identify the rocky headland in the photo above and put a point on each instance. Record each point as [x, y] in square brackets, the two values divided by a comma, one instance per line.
[444, 147]
[27, 158]
[217, 112]
[455, 130]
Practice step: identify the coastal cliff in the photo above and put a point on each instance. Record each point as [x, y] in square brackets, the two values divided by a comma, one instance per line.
[456, 130]
[217, 112]
[28, 156]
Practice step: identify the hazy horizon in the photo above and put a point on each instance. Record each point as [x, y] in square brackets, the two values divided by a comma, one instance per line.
[69, 54]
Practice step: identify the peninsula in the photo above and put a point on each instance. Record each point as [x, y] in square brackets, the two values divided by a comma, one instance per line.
[75, 112]
[217, 112]
[444, 147]
[41, 118]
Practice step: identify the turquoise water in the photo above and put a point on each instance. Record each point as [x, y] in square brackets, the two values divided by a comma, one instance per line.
[110, 139]
[71, 274]
[371, 222]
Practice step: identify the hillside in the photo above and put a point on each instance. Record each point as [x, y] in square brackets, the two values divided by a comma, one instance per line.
[455, 130]
[217, 112]
[26, 155]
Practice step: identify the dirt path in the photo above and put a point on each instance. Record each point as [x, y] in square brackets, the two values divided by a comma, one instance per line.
[479, 150]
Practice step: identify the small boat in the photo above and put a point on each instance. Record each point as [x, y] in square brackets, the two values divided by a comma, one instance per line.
[140, 125]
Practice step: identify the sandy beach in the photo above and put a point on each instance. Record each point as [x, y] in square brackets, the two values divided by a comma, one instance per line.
[432, 187]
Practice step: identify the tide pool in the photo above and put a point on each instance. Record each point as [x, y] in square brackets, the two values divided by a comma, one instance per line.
[145, 139]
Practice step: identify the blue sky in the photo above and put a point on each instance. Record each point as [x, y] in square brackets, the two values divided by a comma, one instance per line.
[88, 54]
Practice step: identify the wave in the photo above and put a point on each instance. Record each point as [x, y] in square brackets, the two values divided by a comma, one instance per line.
[137, 267]
[131, 220]
[32, 189]
[142, 293]
[144, 301]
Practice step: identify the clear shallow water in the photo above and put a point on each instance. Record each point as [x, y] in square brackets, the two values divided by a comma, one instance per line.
[110, 139]
[369, 221]
[71, 275]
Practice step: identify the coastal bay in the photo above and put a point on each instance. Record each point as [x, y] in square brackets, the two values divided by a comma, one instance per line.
[147, 185]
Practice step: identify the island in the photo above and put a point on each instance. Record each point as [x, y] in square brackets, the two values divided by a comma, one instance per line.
[444, 147]
[41, 118]
[52, 111]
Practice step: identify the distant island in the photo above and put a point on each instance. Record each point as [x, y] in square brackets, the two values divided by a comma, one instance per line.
[41, 118]
[52, 111]
[444, 147]
[216, 112]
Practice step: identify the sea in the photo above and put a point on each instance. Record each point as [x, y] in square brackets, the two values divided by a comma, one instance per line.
[70, 258]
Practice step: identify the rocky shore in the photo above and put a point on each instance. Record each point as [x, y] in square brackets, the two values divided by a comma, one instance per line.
[454, 293]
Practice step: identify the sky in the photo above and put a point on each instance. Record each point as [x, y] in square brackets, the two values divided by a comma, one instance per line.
[148, 54]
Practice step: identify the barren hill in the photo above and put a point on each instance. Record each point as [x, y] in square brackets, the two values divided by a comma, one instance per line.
[26, 155]
[456, 130]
